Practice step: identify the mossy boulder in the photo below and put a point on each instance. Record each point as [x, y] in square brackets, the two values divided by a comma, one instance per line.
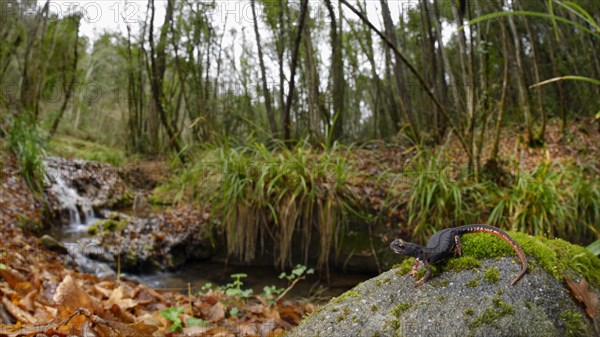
[468, 296]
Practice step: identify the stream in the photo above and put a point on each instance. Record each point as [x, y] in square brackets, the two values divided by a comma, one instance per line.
[77, 211]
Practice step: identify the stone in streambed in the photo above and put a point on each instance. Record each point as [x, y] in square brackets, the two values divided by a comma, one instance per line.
[53, 245]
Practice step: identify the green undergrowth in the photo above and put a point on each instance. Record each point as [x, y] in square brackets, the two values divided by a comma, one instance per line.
[26, 142]
[556, 199]
[264, 193]
[557, 257]
[270, 193]
[70, 147]
[439, 194]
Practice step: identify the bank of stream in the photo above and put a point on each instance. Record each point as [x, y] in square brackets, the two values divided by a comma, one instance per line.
[82, 197]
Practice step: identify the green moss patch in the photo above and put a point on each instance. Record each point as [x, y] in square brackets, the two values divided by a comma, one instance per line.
[492, 314]
[574, 323]
[492, 275]
[403, 267]
[462, 263]
[346, 295]
[472, 283]
[399, 309]
[555, 256]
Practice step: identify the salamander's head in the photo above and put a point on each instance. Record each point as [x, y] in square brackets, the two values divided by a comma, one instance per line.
[405, 248]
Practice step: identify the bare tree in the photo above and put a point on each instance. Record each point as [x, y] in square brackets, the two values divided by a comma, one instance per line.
[265, 87]
[287, 126]
[158, 67]
[69, 89]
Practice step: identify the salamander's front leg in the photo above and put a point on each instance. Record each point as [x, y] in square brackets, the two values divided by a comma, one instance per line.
[413, 272]
[427, 273]
[457, 250]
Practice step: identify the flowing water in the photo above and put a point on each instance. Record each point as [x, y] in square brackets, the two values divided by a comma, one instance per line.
[78, 215]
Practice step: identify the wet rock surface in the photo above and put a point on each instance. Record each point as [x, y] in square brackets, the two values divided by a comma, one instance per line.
[75, 188]
[459, 303]
[163, 241]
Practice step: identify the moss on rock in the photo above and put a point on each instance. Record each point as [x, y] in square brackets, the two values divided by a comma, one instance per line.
[574, 322]
[492, 275]
[557, 257]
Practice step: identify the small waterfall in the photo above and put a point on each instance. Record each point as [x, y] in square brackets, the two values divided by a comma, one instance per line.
[78, 209]
[79, 212]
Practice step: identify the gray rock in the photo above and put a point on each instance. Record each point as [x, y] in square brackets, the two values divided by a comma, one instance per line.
[450, 305]
[52, 244]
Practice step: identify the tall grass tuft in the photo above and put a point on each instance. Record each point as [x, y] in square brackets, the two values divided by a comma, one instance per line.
[24, 140]
[555, 200]
[440, 195]
[586, 200]
[277, 193]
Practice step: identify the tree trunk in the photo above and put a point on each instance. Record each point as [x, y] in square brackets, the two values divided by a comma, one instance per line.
[265, 87]
[158, 66]
[502, 102]
[337, 68]
[520, 78]
[69, 91]
[287, 123]
[402, 97]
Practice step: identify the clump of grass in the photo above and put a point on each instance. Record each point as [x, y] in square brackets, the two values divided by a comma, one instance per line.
[439, 196]
[556, 200]
[25, 141]
[277, 192]
[586, 201]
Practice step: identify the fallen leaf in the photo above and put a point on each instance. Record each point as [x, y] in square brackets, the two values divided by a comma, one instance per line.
[217, 312]
[117, 298]
[28, 302]
[69, 297]
[582, 294]
[102, 291]
[18, 313]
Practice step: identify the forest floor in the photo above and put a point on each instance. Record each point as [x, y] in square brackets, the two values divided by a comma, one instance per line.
[40, 293]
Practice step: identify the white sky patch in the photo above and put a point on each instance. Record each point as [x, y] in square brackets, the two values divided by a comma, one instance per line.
[100, 16]
[114, 15]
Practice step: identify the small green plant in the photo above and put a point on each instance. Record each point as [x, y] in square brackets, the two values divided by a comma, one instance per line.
[234, 288]
[298, 272]
[172, 314]
[574, 323]
[270, 293]
[234, 312]
[205, 288]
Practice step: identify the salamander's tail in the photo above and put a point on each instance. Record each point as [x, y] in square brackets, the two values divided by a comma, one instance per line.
[504, 236]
